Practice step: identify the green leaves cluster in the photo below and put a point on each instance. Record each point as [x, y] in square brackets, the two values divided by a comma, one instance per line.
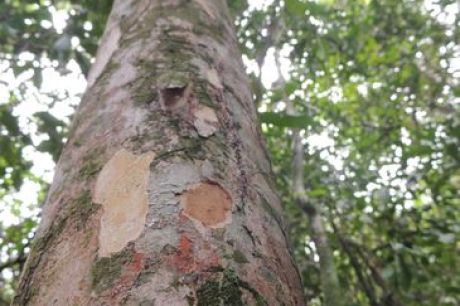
[375, 87]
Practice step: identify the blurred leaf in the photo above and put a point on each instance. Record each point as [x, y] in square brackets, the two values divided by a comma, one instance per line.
[283, 120]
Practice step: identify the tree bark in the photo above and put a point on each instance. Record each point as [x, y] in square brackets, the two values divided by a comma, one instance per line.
[163, 194]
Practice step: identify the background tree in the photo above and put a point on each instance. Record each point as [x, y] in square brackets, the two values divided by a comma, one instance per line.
[363, 76]
[374, 85]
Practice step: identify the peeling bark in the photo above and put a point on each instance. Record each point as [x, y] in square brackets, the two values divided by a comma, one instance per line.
[163, 193]
[121, 189]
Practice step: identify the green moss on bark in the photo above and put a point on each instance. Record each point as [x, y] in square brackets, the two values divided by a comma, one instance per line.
[82, 208]
[90, 168]
[190, 300]
[106, 270]
[209, 294]
[239, 257]
[225, 289]
[177, 63]
[78, 212]
[91, 163]
[230, 289]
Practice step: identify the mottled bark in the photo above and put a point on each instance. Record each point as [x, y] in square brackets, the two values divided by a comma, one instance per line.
[163, 193]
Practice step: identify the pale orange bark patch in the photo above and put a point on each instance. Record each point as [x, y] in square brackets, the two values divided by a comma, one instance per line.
[121, 189]
[207, 203]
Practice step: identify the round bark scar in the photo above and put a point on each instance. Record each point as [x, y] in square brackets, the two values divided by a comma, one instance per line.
[208, 203]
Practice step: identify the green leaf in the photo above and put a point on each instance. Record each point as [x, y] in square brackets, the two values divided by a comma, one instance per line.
[295, 7]
[283, 120]
[318, 192]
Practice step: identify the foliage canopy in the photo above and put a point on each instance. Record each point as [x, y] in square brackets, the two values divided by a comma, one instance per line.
[376, 93]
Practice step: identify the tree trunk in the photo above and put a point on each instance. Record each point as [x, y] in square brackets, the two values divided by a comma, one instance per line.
[163, 194]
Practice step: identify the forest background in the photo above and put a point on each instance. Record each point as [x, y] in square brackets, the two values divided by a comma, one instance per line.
[371, 88]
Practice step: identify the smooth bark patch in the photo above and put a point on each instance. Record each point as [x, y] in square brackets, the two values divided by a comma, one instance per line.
[121, 189]
[208, 203]
[110, 44]
[205, 121]
[214, 79]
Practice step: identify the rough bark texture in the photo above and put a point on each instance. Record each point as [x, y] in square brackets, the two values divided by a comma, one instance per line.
[163, 194]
